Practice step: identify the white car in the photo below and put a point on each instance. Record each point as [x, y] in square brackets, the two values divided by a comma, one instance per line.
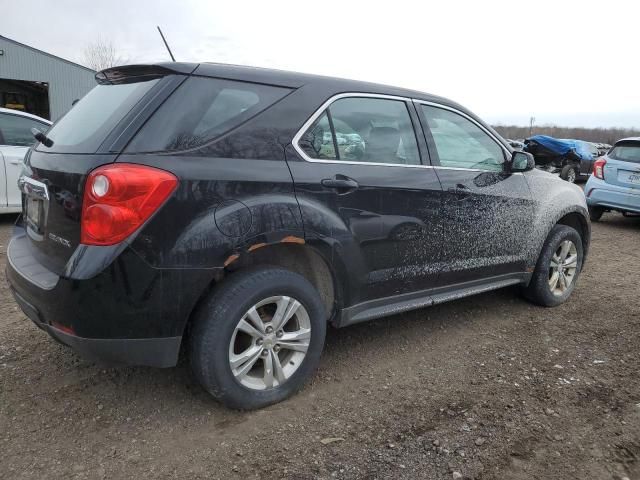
[15, 140]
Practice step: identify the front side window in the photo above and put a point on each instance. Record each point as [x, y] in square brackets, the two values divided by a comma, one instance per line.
[16, 130]
[461, 143]
[202, 109]
[360, 129]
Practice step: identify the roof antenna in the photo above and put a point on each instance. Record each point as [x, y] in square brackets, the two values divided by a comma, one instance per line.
[166, 45]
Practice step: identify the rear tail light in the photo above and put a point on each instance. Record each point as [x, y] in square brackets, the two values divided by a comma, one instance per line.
[119, 198]
[598, 168]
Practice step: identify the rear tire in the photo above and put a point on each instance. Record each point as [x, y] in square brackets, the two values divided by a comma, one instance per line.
[542, 289]
[595, 213]
[569, 173]
[233, 354]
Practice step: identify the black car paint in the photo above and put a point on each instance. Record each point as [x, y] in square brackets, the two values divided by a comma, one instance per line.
[365, 224]
[407, 236]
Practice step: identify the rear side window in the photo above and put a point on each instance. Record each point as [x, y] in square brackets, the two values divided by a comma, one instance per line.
[317, 141]
[16, 130]
[201, 110]
[88, 123]
[362, 129]
[626, 152]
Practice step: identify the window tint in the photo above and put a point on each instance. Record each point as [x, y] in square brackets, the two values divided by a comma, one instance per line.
[317, 141]
[626, 152]
[88, 123]
[16, 130]
[364, 130]
[461, 143]
[201, 110]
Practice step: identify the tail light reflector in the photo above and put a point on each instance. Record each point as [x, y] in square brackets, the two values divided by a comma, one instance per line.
[119, 198]
[598, 168]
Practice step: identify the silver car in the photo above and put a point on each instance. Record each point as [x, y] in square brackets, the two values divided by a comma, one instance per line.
[15, 140]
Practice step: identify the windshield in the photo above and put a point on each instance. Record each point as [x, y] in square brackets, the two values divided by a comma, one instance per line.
[629, 152]
[88, 123]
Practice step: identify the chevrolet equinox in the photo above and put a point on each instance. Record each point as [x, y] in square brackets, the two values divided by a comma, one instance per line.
[233, 212]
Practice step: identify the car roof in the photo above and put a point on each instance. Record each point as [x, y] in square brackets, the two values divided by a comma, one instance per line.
[284, 78]
[25, 114]
[628, 139]
[297, 79]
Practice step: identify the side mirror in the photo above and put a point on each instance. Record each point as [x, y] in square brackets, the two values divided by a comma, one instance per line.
[522, 161]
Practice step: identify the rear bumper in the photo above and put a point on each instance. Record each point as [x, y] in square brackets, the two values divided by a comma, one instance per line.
[130, 314]
[602, 194]
[153, 352]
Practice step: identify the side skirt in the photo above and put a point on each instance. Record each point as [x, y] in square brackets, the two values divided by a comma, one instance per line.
[383, 307]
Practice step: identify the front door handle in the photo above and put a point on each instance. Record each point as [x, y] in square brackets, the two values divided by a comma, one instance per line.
[462, 190]
[341, 183]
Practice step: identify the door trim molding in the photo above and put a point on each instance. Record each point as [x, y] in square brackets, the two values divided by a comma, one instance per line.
[327, 103]
[393, 305]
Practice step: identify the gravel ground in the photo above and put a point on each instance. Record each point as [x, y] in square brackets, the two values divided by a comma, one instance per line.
[485, 387]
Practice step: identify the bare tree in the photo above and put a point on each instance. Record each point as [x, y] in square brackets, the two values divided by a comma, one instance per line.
[604, 135]
[101, 54]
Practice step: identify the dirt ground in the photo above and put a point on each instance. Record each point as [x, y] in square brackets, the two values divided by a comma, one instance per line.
[485, 387]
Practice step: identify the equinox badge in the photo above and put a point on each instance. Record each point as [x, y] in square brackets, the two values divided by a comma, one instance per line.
[60, 240]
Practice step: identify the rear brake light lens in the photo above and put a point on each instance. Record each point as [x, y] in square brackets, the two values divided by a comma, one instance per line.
[598, 168]
[119, 198]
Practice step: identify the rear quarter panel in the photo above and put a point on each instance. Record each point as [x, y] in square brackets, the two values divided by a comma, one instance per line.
[222, 207]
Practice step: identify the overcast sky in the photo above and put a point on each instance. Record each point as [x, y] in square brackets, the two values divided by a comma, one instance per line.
[563, 62]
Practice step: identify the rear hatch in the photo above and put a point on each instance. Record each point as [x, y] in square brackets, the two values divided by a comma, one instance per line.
[623, 165]
[91, 134]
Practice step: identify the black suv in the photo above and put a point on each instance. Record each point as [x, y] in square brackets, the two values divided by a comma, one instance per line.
[233, 212]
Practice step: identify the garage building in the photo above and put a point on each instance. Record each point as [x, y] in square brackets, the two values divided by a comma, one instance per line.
[40, 83]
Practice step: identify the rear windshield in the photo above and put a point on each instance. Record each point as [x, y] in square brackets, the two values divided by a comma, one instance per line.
[201, 110]
[88, 123]
[626, 152]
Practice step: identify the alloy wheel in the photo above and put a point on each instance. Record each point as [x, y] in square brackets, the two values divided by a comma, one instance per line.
[269, 342]
[563, 267]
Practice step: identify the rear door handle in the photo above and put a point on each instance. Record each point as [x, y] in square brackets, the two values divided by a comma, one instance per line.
[340, 182]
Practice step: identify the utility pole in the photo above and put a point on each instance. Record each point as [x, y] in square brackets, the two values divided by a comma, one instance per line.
[532, 120]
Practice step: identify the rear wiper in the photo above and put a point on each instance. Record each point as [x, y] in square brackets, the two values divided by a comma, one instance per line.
[42, 138]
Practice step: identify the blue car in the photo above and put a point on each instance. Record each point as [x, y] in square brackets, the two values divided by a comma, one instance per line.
[615, 182]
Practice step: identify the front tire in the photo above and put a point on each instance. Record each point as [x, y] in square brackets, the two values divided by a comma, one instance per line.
[258, 337]
[558, 268]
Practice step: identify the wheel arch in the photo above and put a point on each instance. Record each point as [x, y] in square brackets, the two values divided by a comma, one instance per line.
[581, 224]
[299, 257]
[291, 253]
[574, 218]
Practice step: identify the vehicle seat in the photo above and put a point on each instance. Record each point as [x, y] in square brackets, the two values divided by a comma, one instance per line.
[382, 145]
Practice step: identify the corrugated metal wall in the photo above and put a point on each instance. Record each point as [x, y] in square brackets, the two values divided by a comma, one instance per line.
[67, 81]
